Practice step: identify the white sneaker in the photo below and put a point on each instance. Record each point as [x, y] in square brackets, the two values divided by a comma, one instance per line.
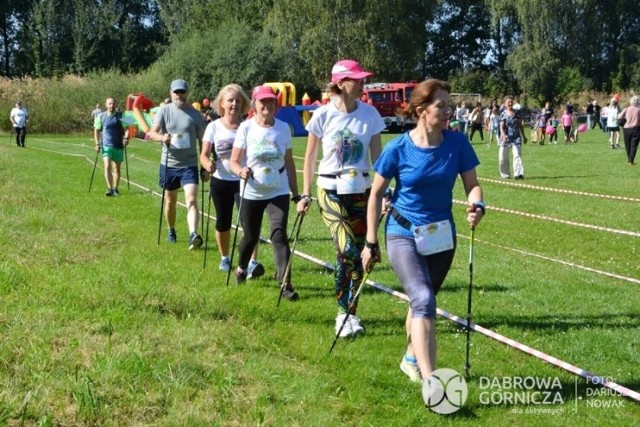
[346, 330]
[411, 370]
[225, 264]
[356, 327]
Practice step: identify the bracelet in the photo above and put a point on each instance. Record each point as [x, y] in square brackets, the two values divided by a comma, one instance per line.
[480, 205]
[306, 198]
[371, 246]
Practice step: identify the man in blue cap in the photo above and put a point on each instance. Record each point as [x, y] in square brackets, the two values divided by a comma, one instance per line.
[178, 126]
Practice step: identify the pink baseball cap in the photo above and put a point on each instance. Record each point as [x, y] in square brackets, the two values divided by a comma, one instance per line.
[348, 69]
[263, 92]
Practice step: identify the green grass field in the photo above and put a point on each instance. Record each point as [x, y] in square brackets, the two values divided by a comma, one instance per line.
[100, 326]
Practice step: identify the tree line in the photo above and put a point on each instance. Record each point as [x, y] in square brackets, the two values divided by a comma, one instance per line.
[544, 49]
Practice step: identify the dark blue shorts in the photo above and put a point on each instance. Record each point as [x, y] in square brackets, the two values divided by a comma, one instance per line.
[178, 177]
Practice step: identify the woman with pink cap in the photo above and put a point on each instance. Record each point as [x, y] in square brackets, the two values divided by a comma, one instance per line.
[348, 131]
[262, 158]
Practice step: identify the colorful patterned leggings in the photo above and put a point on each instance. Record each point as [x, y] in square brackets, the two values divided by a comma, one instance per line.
[346, 217]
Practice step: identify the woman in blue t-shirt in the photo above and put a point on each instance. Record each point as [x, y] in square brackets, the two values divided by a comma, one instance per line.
[420, 232]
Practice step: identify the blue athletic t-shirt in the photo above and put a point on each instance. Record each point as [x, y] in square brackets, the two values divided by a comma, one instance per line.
[424, 178]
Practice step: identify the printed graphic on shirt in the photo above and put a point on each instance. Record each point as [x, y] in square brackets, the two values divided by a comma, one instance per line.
[348, 147]
[224, 147]
[266, 153]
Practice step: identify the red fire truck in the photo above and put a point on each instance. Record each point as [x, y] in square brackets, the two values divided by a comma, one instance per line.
[386, 98]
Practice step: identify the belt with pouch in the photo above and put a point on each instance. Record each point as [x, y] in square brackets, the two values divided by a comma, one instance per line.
[330, 176]
[402, 221]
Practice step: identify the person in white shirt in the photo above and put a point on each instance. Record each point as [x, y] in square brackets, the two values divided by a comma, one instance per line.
[348, 131]
[19, 119]
[230, 105]
[262, 157]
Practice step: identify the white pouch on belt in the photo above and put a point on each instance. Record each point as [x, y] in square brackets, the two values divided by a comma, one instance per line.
[433, 238]
[266, 176]
[351, 181]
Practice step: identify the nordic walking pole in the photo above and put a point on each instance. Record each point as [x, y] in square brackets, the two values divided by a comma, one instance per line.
[202, 171]
[95, 163]
[235, 234]
[287, 270]
[466, 365]
[350, 310]
[126, 165]
[206, 239]
[164, 186]
[206, 236]
[293, 228]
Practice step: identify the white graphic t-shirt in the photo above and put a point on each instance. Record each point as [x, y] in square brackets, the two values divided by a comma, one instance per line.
[265, 148]
[221, 139]
[345, 139]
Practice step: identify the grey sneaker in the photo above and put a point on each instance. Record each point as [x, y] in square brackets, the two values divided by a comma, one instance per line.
[289, 293]
[255, 270]
[411, 370]
[115, 192]
[195, 241]
[225, 264]
[241, 277]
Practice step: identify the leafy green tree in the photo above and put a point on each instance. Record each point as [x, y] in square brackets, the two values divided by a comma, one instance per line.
[458, 38]
[14, 14]
[230, 53]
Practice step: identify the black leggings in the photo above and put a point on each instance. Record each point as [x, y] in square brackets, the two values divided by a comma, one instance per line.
[20, 135]
[252, 212]
[224, 194]
[476, 127]
[631, 140]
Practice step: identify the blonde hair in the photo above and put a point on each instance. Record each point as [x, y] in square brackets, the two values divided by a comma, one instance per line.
[246, 102]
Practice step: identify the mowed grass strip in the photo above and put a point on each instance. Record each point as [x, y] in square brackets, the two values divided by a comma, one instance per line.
[103, 327]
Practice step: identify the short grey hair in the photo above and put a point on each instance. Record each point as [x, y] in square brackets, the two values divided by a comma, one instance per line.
[634, 100]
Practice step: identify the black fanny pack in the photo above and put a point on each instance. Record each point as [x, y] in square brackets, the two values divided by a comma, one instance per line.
[402, 221]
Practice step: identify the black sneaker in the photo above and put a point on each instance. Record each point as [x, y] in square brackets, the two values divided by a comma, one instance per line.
[195, 241]
[519, 177]
[241, 277]
[255, 270]
[109, 192]
[115, 192]
[171, 236]
[289, 293]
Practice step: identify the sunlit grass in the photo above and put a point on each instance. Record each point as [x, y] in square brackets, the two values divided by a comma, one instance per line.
[100, 326]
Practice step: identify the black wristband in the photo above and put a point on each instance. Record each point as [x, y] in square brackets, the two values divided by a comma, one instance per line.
[296, 199]
[371, 246]
[480, 205]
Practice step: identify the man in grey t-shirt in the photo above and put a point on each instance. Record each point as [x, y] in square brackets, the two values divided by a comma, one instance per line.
[178, 126]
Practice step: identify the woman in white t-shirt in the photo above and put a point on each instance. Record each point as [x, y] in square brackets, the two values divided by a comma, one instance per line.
[349, 133]
[262, 157]
[231, 105]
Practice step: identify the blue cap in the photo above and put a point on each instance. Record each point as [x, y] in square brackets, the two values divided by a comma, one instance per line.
[179, 84]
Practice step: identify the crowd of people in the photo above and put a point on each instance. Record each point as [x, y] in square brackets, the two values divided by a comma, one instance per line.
[506, 125]
[249, 164]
